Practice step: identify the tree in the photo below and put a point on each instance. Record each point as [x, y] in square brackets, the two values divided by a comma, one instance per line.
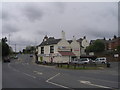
[6, 50]
[29, 49]
[97, 46]
[118, 49]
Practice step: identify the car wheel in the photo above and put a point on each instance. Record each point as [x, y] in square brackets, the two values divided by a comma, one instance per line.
[103, 62]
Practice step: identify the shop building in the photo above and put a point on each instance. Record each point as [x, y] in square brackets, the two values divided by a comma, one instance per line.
[58, 50]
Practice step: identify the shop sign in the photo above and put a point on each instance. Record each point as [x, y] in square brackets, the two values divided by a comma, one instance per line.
[64, 48]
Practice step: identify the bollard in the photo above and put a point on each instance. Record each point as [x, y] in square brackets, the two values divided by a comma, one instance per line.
[61, 64]
[108, 64]
[58, 64]
[68, 65]
[75, 66]
[83, 65]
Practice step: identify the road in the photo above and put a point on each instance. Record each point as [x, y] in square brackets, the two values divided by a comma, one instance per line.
[24, 73]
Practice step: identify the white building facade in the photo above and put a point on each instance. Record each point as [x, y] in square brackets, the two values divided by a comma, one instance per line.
[58, 50]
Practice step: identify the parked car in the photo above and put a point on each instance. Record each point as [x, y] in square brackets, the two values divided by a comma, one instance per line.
[6, 59]
[75, 61]
[101, 60]
[84, 61]
[81, 61]
[31, 55]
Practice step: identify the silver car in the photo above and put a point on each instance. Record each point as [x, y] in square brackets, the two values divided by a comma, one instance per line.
[75, 61]
[101, 60]
[84, 61]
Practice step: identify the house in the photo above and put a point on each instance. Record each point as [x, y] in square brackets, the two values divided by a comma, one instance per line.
[113, 43]
[102, 40]
[83, 44]
[58, 50]
[110, 44]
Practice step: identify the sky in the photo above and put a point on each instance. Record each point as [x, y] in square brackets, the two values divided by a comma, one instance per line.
[26, 23]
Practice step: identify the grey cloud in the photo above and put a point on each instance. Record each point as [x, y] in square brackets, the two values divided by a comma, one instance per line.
[95, 20]
[42, 32]
[99, 34]
[60, 6]
[7, 28]
[20, 43]
[33, 13]
[5, 15]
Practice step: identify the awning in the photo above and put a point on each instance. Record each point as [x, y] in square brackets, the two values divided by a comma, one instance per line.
[65, 53]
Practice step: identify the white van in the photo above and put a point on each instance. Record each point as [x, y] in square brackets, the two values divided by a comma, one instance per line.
[101, 60]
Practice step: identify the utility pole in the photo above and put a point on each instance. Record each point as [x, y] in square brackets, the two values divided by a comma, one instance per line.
[9, 38]
[15, 48]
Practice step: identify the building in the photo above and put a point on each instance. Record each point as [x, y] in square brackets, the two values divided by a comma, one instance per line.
[83, 44]
[102, 40]
[110, 44]
[58, 50]
[113, 43]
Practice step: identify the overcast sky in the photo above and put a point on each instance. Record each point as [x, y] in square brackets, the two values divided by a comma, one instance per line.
[27, 23]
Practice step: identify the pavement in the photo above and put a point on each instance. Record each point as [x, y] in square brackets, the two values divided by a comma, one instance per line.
[24, 73]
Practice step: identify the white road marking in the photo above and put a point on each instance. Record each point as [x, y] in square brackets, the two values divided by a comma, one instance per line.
[13, 68]
[44, 66]
[25, 64]
[89, 83]
[99, 79]
[48, 81]
[39, 73]
[29, 75]
[19, 71]
[53, 77]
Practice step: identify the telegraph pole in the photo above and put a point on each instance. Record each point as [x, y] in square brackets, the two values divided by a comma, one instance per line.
[15, 48]
[9, 38]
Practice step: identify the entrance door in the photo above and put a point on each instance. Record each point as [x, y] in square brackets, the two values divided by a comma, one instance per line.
[41, 59]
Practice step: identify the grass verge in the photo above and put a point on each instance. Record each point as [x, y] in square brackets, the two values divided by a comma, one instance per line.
[82, 68]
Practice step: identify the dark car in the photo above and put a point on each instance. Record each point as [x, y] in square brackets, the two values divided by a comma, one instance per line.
[31, 55]
[6, 59]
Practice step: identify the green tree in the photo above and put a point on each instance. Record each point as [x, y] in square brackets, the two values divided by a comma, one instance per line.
[6, 50]
[97, 46]
[29, 49]
[118, 49]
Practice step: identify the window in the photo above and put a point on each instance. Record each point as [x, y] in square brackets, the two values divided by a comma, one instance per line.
[51, 49]
[42, 50]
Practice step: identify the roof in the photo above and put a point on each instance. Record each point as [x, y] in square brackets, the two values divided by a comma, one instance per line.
[66, 53]
[70, 41]
[50, 42]
[104, 41]
[79, 40]
[115, 40]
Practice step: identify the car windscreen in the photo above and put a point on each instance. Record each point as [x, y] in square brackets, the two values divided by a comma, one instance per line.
[83, 59]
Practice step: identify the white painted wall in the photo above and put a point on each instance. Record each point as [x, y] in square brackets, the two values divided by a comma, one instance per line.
[39, 50]
[47, 49]
[63, 42]
[75, 46]
[85, 44]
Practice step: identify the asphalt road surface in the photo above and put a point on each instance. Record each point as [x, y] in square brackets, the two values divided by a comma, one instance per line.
[24, 73]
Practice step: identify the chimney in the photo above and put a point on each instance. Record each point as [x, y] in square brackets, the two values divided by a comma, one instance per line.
[84, 37]
[115, 37]
[63, 35]
[45, 38]
[74, 39]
